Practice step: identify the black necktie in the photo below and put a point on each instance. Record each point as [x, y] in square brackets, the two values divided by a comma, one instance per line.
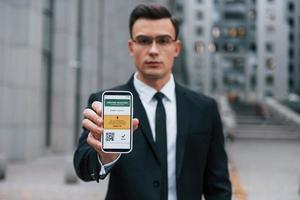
[161, 142]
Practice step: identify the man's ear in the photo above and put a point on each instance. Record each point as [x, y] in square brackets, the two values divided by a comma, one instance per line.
[130, 47]
[177, 48]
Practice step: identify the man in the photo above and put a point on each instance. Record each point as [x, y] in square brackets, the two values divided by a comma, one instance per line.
[178, 145]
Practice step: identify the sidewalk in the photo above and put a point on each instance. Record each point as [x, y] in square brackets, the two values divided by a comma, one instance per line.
[43, 179]
[267, 169]
[260, 170]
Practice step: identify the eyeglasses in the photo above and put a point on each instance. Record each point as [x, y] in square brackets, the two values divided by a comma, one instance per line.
[146, 41]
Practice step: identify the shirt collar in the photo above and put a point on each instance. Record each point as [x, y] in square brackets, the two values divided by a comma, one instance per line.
[147, 92]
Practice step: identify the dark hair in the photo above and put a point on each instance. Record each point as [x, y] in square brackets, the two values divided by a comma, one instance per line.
[151, 11]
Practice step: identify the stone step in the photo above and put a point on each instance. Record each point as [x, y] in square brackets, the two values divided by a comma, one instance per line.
[262, 127]
[268, 133]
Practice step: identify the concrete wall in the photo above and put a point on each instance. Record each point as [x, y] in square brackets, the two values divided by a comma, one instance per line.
[22, 100]
[101, 48]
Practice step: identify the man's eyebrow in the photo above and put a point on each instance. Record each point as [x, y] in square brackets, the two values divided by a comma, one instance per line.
[163, 35]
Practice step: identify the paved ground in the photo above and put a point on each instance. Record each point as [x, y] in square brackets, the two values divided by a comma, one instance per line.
[43, 179]
[268, 169]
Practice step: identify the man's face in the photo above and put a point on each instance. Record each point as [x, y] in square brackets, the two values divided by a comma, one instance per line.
[153, 59]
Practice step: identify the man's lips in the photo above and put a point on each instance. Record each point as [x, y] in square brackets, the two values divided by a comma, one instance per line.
[153, 62]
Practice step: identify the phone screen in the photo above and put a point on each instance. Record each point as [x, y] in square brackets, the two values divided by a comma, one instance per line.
[117, 121]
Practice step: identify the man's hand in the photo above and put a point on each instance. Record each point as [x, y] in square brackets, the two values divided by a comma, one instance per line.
[93, 121]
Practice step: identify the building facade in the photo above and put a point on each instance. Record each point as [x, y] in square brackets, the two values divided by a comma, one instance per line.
[197, 17]
[234, 35]
[272, 37]
[240, 47]
[293, 19]
[53, 54]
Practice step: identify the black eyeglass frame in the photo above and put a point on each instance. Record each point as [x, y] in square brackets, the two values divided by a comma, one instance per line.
[156, 39]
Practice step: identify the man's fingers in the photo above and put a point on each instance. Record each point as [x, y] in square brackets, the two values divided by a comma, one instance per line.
[135, 123]
[96, 130]
[96, 144]
[92, 116]
[97, 107]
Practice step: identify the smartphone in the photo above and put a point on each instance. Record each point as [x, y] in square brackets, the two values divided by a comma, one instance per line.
[117, 121]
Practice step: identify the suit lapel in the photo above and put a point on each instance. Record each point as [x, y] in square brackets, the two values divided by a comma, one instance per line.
[140, 113]
[182, 127]
[182, 122]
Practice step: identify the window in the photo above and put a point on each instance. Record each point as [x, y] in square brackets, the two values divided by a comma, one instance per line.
[269, 47]
[252, 47]
[291, 68]
[199, 47]
[269, 93]
[270, 28]
[269, 63]
[199, 15]
[291, 6]
[232, 32]
[216, 32]
[291, 37]
[291, 22]
[234, 16]
[291, 53]
[252, 14]
[199, 30]
[241, 32]
[212, 47]
[253, 81]
[179, 8]
[270, 14]
[291, 83]
[230, 47]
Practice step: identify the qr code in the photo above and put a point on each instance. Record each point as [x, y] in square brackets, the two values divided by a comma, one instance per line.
[109, 136]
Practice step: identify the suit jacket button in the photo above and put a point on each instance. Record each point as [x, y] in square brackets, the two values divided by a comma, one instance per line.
[156, 184]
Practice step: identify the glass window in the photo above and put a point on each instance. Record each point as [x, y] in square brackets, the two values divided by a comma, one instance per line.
[291, 83]
[199, 15]
[179, 7]
[270, 80]
[291, 22]
[234, 16]
[252, 47]
[199, 30]
[269, 63]
[216, 32]
[199, 47]
[291, 53]
[291, 6]
[291, 37]
[230, 47]
[291, 68]
[270, 28]
[269, 47]
[270, 14]
[269, 93]
[253, 81]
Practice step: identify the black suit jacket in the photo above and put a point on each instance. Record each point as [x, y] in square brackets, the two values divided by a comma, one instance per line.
[201, 161]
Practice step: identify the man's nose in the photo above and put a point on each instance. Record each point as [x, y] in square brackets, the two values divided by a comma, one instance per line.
[154, 48]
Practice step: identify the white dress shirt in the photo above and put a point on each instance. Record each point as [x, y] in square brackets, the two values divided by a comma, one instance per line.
[146, 94]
